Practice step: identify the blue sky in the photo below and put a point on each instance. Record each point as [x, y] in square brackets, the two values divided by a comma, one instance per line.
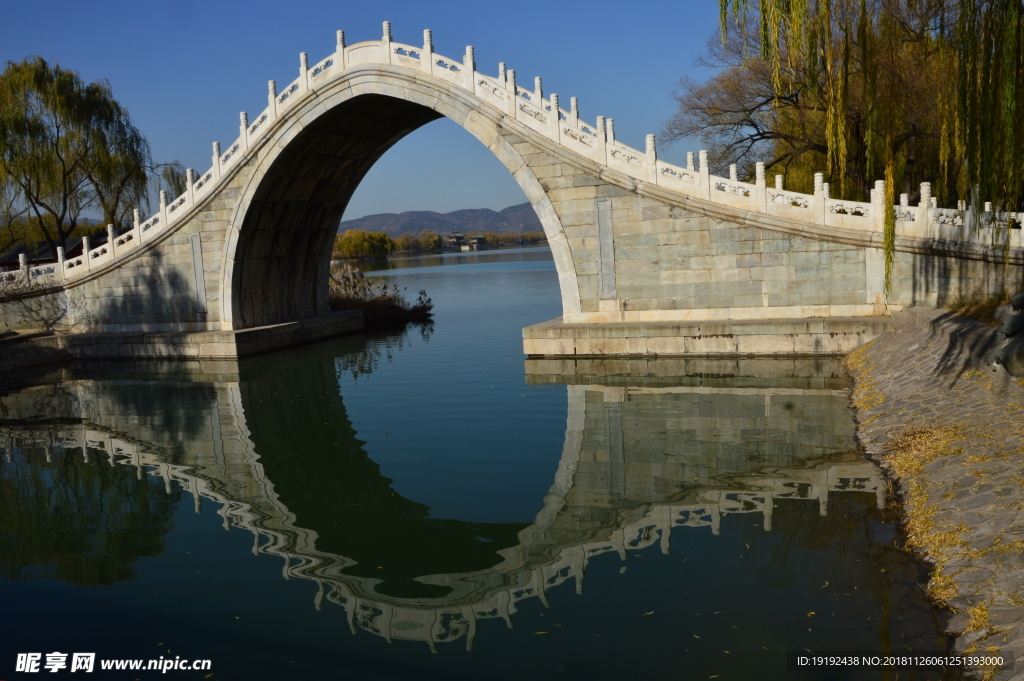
[185, 69]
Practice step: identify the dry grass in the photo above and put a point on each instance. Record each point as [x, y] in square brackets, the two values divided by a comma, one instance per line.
[857, 360]
[978, 617]
[908, 453]
[978, 306]
[866, 394]
[913, 449]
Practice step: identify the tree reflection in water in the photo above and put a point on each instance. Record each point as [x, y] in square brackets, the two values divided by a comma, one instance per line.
[76, 516]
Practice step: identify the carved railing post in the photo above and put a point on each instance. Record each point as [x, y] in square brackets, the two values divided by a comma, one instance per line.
[86, 247]
[136, 230]
[609, 127]
[216, 161]
[304, 70]
[651, 159]
[243, 126]
[923, 217]
[538, 92]
[271, 99]
[111, 235]
[574, 111]
[23, 266]
[385, 44]
[556, 119]
[601, 148]
[705, 175]
[469, 68]
[60, 262]
[513, 96]
[427, 58]
[762, 187]
[339, 50]
[163, 209]
[819, 198]
[690, 164]
[779, 182]
[878, 205]
[190, 184]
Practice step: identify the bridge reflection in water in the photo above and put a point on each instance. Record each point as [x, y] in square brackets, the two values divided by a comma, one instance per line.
[650, 446]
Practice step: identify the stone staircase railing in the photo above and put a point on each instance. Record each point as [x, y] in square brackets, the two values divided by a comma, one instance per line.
[546, 117]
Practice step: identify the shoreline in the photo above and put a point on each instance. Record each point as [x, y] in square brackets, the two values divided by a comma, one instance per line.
[950, 438]
[420, 254]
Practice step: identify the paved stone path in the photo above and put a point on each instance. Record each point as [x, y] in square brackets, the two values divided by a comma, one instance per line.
[967, 502]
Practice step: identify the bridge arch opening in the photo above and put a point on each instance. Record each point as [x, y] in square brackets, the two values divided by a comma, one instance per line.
[277, 259]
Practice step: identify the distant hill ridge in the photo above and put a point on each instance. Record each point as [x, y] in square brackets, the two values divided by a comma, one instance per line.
[511, 220]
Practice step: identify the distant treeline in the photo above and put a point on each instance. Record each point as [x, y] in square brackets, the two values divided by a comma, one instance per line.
[356, 243]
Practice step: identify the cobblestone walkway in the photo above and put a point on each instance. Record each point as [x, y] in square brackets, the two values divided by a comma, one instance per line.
[964, 506]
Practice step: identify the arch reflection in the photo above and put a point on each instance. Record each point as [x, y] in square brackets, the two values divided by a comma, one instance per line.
[649, 447]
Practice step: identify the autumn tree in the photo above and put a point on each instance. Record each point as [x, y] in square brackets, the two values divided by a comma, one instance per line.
[355, 243]
[430, 241]
[854, 99]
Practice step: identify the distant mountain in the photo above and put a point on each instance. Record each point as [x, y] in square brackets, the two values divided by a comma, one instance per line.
[511, 220]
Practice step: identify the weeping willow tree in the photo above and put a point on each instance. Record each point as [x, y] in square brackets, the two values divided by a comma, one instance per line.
[990, 93]
[907, 91]
[67, 147]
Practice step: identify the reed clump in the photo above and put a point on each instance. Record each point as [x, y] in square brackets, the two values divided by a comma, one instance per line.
[383, 305]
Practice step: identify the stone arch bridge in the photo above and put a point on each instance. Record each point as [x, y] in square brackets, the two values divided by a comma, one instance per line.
[652, 258]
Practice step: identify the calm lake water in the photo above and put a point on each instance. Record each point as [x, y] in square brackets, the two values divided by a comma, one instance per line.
[428, 505]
